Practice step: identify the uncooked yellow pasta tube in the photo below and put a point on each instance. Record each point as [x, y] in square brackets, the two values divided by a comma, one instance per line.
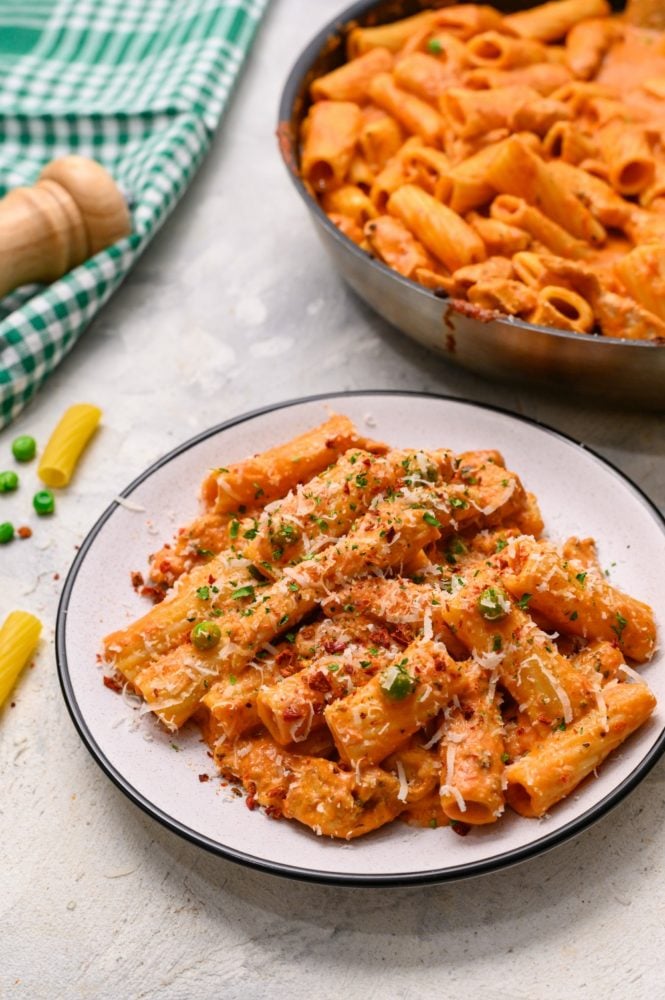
[18, 638]
[66, 444]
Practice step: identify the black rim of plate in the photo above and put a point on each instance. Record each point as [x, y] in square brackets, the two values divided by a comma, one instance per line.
[290, 93]
[432, 876]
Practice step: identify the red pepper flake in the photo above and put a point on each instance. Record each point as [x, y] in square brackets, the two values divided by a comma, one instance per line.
[137, 579]
[250, 801]
[334, 646]
[274, 812]
[24, 531]
[12, 704]
[112, 683]
[204, 777]
[319, 682]
[292, 712]
[56, 576]
[154, 593]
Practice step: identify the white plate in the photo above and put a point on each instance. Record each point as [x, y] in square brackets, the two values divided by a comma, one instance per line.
[579, 493]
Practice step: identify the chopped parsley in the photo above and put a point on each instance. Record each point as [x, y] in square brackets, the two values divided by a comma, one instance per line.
[620, 625]
[523, 602]
[203, 593]
[430, 519]
[247, 591]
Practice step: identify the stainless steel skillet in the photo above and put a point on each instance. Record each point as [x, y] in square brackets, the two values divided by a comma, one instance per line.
[615, 371]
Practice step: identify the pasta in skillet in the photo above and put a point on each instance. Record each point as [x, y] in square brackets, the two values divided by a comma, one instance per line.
[512, 163]
[384, 633]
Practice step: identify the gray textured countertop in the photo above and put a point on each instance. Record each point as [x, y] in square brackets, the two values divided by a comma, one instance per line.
[234, 307]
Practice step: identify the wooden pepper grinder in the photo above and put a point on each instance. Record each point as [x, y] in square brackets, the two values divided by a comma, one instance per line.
[74, 210]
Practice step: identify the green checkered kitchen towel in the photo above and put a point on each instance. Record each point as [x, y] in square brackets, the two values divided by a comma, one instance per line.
[139, 85]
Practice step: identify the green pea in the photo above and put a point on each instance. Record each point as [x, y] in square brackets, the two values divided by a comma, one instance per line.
[397, 683]
[8, 482]
[206, 635]
[6, 532]
[43, 502]
[24, 448]
[493, 604]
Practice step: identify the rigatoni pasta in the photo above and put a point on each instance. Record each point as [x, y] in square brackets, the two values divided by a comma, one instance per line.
[484, 134]
[391, 636]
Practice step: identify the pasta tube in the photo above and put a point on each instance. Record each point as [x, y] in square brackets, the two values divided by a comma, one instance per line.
[323, 509]
[553, 768]
[630, 161]
[543, 77]
[580, 601]
[471, 113]
[376, 719]
[333, 129]
[294, 708]
[444, 233]
[385, 536]
[351, 201]
[513, 298]
[415, 115]
[552, 21]
[201, 593]
[514, 211]
[620, 316]
[564, 309]
[394, 244]
[351, 81]
[566, 141]
[265, 477]
[380, 138]
[586, 44]
[18, 639]
[312, 790]
[643, 273]
[505, 52]
[500, 238]
[516, 651]
[230, 708]
[471, 762]
[423, 75]
[387, 36]
[67, 442]
[516, 170]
